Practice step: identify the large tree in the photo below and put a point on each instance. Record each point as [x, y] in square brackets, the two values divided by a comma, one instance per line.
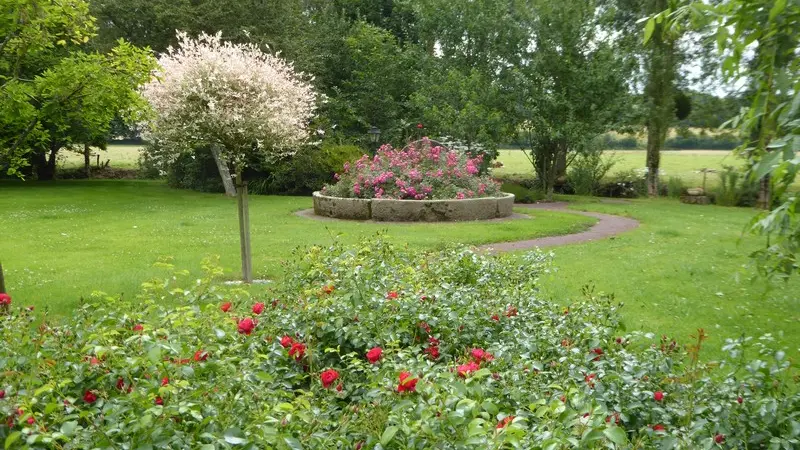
[659, 62]
[54, 94]
[570, 87]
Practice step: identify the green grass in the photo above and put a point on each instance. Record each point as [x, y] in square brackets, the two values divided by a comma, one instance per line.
[60, 241]
[683, 164]
[685, 268]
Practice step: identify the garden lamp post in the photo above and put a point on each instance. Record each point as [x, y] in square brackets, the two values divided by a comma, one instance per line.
[374, 136]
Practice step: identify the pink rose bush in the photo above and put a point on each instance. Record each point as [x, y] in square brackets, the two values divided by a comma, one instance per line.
[421, 171]
[348, 368]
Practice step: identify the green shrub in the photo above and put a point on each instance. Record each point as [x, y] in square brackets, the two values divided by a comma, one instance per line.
[626, 184]
[308, 170]
[675, 187]
[588, 170]
[735, 189]
[470, 357]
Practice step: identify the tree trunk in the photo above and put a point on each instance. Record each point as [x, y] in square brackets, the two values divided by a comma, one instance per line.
[224, 173]
[87, 163]
[244, 228]
[660, 95]
[764, 193]
[46, 162]
[654, 143]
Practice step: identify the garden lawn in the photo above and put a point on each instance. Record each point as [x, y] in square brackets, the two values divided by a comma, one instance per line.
[60, 241]
[684, 268]
[683, 164]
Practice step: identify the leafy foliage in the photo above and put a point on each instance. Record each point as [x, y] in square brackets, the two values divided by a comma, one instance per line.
[472, 358]
[54, 94]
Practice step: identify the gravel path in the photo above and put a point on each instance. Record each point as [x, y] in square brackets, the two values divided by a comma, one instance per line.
[607, 226]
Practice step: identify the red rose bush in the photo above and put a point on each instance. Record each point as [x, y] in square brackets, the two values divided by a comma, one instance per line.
[440, 365]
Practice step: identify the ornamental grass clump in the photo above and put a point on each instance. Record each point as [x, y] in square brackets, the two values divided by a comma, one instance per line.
[326, 358]
[423, 170]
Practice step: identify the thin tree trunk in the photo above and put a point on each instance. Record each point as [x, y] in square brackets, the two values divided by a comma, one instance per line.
[2, 280]
[87, 163]
[764, 193]
[654, 143]
[244, 228]
[224, 173]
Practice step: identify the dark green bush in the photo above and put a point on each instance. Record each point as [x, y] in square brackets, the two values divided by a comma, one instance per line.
[305, 172]
[675, 187]
[587, 171]
[735, 189]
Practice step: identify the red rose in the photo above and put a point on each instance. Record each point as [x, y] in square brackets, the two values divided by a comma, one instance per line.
[298, 350]
[120, 383]
[339, 387]
[258, 308]
[511, 311]
[477, 354]
[425, 326]
[31, 420]
[328, 377]
[374, 355]
[159, 401]
[407, 384]
[740, 400]
[502, 424]
[392, 295]
[225, 306]
[94, 361]
[719, 438]
[5, 299]
[420, 126]
[658, 396]
[619, 340]
[433, 351]
[495, 317]
[659, 427]
[138, 327]
[200, 355]
[433, 341]
[287, 341]
[89, 397]
[2, 394]
[466, 369]
[598, 352]
[246, 326]
[164, 381]
[589, 379]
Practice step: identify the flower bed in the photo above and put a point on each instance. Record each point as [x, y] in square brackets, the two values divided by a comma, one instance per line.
[422, 170]
[376, 346]
[389, 210]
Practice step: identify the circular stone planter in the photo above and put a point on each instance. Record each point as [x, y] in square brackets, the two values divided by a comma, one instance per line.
[386, 210]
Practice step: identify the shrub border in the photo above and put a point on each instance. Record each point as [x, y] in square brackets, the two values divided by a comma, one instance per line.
[391, 210]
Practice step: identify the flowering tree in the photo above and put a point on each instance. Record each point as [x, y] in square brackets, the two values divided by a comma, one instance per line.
[235, 100]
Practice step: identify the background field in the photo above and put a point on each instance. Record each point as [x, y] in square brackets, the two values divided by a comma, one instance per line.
[683, 164]
[121, 156]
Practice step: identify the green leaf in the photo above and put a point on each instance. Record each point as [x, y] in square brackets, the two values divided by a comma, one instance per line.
[388, 435]
[616, 435]
[13, 437]
[234, 436]
[649, 27]
[777, 9]
[68, 428]
[293, 443]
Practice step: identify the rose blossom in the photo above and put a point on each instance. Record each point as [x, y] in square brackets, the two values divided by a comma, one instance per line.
[374, 355]
[328, 377]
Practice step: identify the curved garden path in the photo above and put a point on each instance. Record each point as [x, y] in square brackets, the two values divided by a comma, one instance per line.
[607, 226]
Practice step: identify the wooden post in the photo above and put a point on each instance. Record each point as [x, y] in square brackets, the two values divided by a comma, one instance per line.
[244, 227]
[2, 280]
[98, 160]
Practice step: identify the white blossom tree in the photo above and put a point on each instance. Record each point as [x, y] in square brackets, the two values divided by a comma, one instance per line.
[233, 99]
